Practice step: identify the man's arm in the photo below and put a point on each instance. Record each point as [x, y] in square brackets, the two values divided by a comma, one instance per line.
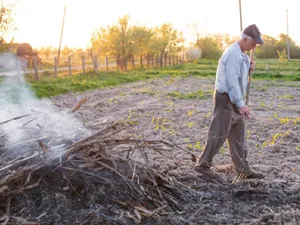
[233, 70]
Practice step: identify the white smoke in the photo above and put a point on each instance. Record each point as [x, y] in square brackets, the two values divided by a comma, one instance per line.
[193, 53]
[40, 119]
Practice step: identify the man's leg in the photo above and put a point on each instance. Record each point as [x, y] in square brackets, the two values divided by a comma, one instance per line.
[218, 130]
[237, 145]
[237, 141]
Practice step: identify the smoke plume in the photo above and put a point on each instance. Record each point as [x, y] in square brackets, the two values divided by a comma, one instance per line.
[26, 121]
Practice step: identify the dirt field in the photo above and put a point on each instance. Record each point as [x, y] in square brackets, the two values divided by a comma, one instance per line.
[273, 139]
[162, 110]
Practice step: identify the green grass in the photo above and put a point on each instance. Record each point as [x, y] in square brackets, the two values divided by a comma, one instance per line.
[49, 86]
[199, 94]
[287, 96]
[276, 76]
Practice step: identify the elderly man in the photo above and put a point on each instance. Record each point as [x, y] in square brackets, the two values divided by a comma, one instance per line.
[230, 110]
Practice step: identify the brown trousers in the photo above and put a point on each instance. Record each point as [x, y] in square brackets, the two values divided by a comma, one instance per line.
[227, 123]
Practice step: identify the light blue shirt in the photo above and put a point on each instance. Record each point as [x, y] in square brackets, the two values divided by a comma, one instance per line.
[232, 74]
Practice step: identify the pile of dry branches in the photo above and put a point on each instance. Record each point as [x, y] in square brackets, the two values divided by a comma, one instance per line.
[109, 158]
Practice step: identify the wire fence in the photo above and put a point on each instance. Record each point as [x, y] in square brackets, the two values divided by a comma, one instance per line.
[83, 64]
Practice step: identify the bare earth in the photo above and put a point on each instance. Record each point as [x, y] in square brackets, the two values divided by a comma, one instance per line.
[273, 139]
[153, 110]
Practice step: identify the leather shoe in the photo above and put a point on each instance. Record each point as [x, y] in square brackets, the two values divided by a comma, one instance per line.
[254, 175]
[209, 173]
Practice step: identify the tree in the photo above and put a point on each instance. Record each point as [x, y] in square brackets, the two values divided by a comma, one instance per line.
[46, 51]
[124, 42]
[209, 48]
[140, 43]
[66, 51]
[119, 37]
[99, 44]
[169, 41]
[272, 46]
[222, 40]
[269, 39]
[267, 50]
[6, 24]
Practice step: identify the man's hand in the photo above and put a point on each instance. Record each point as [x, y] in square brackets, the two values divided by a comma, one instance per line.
[245, 110]
[252, 65]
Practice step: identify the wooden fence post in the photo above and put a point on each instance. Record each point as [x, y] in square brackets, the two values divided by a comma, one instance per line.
[55, 66]
[83, 63]
[106, 62]
[70, 66]
[36, 74]
[95, 64]
[20, 65]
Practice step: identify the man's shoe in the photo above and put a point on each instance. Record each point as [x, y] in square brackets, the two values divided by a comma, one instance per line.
[254, 175]
[209, 173]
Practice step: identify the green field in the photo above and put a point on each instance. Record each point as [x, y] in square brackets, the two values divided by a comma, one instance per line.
[47, 86]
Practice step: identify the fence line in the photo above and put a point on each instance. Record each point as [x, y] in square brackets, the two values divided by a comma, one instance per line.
[108, 64]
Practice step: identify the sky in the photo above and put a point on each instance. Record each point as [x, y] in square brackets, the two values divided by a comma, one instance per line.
[39, 22]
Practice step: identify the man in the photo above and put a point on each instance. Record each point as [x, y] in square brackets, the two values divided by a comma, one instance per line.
[230, 110]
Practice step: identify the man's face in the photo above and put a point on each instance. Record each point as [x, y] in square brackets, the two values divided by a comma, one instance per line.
[250, 44]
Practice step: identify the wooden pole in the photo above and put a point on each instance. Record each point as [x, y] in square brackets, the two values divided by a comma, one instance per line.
[83, 63]
[287, 36]
[249, 77]
[70, 66]
[106, 62]
[241, 23]
[36, 74]
[55, 66]
[61, 34]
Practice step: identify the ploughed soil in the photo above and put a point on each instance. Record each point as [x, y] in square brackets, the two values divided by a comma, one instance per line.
[176, 111]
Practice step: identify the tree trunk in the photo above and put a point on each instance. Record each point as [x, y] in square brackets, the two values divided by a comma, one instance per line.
[122, 64]
[132, 61]
[148, 61]
[141, 61]
[152, 60]
[95, 64]
[161, 59]
[165, 59]
[118, 62]
[125, 64]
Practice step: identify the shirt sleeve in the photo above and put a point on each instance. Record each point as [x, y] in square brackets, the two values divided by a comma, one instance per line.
[233, 73]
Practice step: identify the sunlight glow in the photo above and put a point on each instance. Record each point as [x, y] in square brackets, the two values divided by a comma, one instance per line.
[39, 21]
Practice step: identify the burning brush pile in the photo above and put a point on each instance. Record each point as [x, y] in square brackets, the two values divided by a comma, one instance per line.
[55, 171]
